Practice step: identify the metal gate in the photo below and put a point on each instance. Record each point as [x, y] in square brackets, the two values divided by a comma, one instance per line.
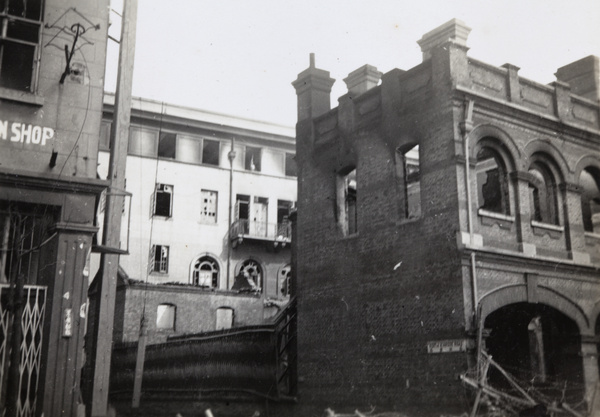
[19, 385]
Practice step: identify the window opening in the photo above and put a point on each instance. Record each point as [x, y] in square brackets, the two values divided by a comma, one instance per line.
[543, 197]
[206, 272]
[346, 202]
[20, 36]
[252, 159]
[242, 211]
[291, 169]
[160, 259]
[163, 204]
[165, 317]
[188, 149]
[249, 277]
[412, 182]
[590, 199]
[285, 281]
[284, 226]
[224, 318]
[142, 142]
[492, 184]
[208, 209]
[166, 145]
[260, 211]
[210, 152]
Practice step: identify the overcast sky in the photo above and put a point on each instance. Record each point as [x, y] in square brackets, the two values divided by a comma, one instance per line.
[240, 57]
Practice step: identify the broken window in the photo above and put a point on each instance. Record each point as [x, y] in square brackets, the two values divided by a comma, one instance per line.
[242, 212]
[252, 159]
[285, 281]
[291, 170]
[20, 35]
[249, 277]
[210, 152]
[167, 145]
[346, 199]
[543, 195]
[163, 200]
[143, 142]
[206, 272]
[208, 206]
[589, 181]
[492, 183]
[284, 226]
[165, 317]
[159, 261]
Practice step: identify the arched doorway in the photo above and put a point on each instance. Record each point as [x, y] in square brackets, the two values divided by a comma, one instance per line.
[540, 347]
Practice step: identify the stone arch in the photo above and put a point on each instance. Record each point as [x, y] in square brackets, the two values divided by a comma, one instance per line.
[585, 162]
[545, 147]
[251, 260]
[485, 131]
[517, 293]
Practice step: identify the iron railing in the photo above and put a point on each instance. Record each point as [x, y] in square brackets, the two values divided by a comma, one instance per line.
[277, 232]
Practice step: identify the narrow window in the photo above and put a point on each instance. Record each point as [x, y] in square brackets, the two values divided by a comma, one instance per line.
[492, 184]
[284, 227]
[285, 281]
[252, 159]
[210, 152]
[208, 206]
[412, 182]
[163, 200]
[165, 317]
[206, 272]
[160, 259]
[20, 36]
[166, 145]
[543, 195]
[143, 142]
[346, 199]
[291, 170]
[590, 199]
[242, 212]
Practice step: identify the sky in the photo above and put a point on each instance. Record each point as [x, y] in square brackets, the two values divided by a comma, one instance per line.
[239, 57]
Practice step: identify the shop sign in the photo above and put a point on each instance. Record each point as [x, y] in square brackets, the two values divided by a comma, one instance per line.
[25, 133]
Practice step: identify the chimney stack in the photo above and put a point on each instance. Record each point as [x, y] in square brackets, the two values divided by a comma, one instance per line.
[362, 79]
[454, 31]
[583, 77]
[313, 88]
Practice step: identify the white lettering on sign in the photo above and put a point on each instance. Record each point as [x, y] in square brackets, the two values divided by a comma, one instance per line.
[25, 133]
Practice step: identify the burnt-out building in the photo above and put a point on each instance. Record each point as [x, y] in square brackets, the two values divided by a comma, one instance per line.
[445, 212]
[52, 60]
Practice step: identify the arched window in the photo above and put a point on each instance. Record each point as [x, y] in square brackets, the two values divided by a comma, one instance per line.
[543, 195]
[250, 277]
[492, 182]
[590, 199]
[206, 272]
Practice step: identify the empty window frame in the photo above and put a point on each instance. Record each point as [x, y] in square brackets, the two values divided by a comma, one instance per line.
[20, 37]
[543, 194]
[208, 206]
[143, 142]
[492, 182]
[408, 171]
[167, 143]
[346, 201]
[252, 272]
[159, 262]
[285, 276]
[210, 152]
[252, 161]
[284, 226]
[206, 272]
[163, 200]
[165, 317]
[291, 169]
[188, 149]
[589, 182]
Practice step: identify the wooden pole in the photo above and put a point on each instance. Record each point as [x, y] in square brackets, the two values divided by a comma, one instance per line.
[102, 327]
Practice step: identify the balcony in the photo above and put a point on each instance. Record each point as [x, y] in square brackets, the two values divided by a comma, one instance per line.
[278, 233]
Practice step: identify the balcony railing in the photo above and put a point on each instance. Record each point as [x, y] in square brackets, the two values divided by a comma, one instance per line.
[247, 229]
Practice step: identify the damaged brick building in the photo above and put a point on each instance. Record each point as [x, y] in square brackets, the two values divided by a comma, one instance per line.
[446, 210]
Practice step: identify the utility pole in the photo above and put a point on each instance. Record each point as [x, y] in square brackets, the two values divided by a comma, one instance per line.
[100, 349]
[231, 157]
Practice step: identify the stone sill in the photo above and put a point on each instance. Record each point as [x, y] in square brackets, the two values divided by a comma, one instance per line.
[21, 96]
[592, 239]
[489, 218]
[552, 230]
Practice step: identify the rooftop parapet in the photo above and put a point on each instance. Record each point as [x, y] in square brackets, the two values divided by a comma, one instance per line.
[452, 31]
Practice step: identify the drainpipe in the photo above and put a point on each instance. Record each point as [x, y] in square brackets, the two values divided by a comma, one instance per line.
[231, 157]
[467, 127]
